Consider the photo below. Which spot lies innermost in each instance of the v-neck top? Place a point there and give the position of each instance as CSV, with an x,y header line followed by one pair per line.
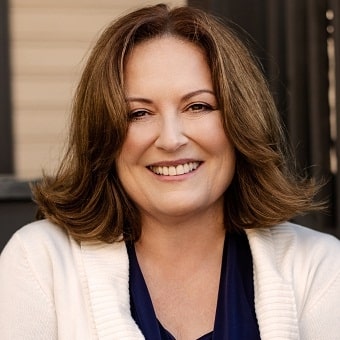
x,y
235,312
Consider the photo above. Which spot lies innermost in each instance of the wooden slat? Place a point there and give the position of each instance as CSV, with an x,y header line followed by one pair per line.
x,y
46,61
50,92
31,158
40,24
53,124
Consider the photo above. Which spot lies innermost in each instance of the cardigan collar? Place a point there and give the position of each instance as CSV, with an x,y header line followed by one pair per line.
x,y
106,269
106,283
275,302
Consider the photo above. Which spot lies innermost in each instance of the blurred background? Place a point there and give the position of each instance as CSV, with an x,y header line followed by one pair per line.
x,y
44,44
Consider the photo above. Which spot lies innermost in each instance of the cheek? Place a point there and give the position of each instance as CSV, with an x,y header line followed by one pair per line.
x,y
140,135
211,132
125,170
224,147
220,146
135,143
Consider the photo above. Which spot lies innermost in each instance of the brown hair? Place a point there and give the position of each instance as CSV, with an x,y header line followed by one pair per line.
x,y
85,196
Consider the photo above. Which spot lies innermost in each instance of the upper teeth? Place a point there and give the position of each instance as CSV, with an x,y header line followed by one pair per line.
x,y
180,169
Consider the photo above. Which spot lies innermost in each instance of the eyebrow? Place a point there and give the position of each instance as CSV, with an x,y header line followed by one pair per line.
x,y
196,93
185,97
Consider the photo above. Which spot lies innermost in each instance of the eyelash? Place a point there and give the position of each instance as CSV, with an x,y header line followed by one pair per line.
x,y
137,115
204,107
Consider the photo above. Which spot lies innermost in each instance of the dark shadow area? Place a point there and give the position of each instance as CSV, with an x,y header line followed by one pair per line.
x,y
16,207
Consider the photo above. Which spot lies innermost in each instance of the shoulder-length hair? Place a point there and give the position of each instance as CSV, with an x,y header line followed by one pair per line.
x,y
86,197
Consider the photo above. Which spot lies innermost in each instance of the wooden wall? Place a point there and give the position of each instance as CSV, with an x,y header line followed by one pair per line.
x,y
49,43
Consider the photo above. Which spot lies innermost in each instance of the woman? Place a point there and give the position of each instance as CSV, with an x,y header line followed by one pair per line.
x,y
166,219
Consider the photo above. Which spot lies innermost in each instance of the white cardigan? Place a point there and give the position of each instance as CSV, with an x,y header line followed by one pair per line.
x,y
51,287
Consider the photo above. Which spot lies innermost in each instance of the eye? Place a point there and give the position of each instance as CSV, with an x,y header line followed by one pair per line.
x,y
200,107
138,115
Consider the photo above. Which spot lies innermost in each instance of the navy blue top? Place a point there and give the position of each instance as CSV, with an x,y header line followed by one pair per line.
x,y
235,317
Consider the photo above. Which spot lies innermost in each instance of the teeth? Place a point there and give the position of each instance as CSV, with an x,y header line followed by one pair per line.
x,y
180,169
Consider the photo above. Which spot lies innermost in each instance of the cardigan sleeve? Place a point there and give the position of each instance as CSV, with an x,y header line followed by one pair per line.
x,y
26,310
320,315
297,282
322,319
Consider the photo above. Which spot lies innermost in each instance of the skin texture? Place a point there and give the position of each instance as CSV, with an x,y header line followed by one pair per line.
x,y
175,122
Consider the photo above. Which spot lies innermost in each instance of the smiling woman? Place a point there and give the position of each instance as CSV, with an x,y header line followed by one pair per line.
x,y
175,125
168,216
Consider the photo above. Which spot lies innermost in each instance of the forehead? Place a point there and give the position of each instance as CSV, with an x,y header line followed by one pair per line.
x,y
166,57
160,47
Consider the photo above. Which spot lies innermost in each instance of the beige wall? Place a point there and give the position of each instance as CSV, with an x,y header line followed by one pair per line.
x,y
49,42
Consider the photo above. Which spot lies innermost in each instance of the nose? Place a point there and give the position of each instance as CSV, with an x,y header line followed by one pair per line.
x,y
171,134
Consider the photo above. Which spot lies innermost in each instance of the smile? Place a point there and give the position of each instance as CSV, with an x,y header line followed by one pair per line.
x,y
177,170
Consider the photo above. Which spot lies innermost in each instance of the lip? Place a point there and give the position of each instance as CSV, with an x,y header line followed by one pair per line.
x,y
174,168
174,162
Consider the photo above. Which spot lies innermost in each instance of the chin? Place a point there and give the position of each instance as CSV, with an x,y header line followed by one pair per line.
x,y
182,211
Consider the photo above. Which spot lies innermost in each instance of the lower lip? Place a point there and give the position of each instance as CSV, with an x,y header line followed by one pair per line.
x,y
177,177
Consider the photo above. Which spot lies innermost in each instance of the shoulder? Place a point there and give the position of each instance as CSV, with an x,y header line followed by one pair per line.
x,y
39,250
291,247
42,229
306,260
36,239
46,252
289,237
44,240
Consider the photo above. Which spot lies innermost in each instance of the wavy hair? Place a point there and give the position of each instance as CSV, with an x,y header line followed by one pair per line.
x,y
85,196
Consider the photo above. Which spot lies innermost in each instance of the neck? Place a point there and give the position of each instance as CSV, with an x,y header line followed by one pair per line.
x,y
181,264
181,238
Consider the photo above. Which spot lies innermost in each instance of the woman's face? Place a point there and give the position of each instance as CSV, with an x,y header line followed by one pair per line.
x,y
176,159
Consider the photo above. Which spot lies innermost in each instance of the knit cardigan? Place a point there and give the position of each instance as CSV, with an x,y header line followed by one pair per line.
x,y
52,287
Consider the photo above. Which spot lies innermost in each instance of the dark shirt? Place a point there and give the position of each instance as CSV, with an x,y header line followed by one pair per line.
x,y
235,317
